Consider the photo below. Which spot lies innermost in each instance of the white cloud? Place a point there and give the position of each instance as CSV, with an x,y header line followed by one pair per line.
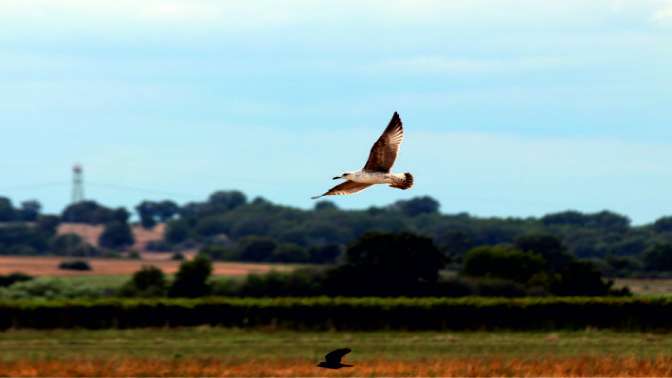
x,y
663,15
445,65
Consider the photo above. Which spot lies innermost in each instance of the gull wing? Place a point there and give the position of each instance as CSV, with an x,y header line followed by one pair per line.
x,y
347,187
384,151
335,357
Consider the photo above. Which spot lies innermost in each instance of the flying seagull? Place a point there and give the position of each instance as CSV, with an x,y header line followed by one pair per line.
x,y
377,168
333,359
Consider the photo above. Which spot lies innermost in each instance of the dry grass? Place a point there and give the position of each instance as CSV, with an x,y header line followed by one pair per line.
x,y
91,233
48,266
653,286
208,351
452,367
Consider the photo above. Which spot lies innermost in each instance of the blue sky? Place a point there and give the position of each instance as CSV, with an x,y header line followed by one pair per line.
x,y
511,108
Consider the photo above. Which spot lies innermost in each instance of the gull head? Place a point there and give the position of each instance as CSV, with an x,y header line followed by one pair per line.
x,y
345,176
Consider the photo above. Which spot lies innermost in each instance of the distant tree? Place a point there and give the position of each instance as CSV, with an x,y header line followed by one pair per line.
x,y
609,220
149,281
166,210
12,278
257,249
220,252
663,224
581,278
71,245
89,212
116,235
192,278
387,264
177,231
29,211
547,246
290,253
22,239
223,201
177,256
569,218
151,212
147,212
325,205
417,206
74,265
7,212
659,258
48,224
502,261
327,254
454,242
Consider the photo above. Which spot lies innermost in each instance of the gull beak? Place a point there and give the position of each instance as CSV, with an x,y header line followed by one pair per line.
x,y
337,177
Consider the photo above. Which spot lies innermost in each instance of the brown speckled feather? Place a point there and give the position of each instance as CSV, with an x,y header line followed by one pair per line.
x,y
384,151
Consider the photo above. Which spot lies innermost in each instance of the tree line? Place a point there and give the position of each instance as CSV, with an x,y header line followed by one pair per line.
x,y
229,226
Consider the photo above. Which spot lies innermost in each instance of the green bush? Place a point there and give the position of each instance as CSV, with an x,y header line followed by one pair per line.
x,y
74,265
12,278
149,281
192,279
55,288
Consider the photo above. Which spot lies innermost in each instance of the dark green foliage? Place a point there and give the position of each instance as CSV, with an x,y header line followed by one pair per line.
x,y
220,253
321,313
151,212
89,212
325,206
23,239
158,246
257,249
192,278
149,281
564,275
29,211
47,224
417,206
177,256
503,262
605,220
386,264
581,278
116,235
12,278
547,246
226,218
7,212
290,253
303,282
327,254
74,265
177,231
71,245
663,224
622,265
659,257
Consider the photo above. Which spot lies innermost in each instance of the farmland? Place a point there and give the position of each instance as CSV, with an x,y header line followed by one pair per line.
x,y
210,351
48,266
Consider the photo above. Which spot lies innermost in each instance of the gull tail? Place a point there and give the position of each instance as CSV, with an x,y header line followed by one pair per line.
x,y
404,182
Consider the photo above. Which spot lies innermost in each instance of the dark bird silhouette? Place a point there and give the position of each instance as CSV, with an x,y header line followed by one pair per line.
x,y
333,359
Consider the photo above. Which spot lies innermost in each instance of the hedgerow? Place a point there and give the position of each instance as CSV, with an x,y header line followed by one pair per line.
x,y
641,313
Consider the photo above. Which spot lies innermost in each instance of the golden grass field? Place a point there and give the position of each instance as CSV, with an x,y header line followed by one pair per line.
x,y
218,352
452,367
48,266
